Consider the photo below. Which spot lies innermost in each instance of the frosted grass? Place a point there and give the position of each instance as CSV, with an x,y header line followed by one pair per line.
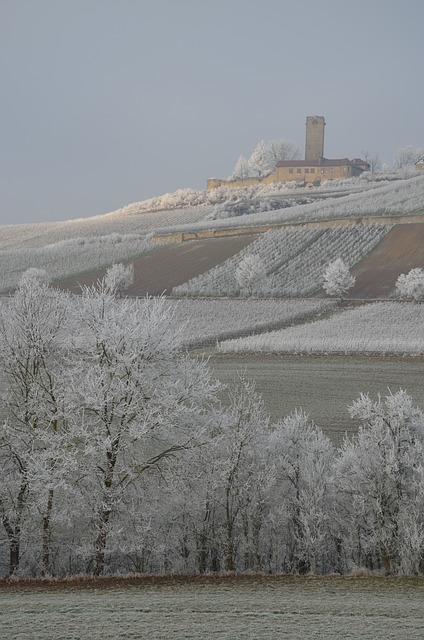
x,y
378,328
369,609
206,321
70,258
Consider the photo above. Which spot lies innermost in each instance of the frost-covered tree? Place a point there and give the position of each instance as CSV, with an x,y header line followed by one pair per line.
x,y
411,284
249,274
241,169
244,433
303,458
33,460
406,157
379,477
283,150
372,159
265,156
337,278
119,277
260,162
136,402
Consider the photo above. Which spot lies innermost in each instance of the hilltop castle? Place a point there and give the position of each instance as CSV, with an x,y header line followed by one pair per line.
x,y
311,171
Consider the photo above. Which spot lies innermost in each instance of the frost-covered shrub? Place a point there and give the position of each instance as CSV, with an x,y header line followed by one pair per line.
x,y
249,274
247,207
337,278
34,275
411,285
119,277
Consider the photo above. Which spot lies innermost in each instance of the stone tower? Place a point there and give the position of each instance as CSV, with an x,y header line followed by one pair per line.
x,y
314,147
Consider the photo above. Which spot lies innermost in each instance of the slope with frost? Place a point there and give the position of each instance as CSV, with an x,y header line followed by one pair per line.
x,y
381,327
188,210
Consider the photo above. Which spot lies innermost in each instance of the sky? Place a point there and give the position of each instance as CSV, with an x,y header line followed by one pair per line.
x,y
109,102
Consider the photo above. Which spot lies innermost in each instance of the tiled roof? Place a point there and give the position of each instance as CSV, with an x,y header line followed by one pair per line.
x,y
324,162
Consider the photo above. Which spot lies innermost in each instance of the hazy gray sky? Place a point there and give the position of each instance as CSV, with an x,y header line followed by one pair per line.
x,y
106,102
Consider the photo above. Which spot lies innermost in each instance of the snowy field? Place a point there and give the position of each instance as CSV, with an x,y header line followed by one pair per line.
x,y
293,608
200,322
70,257
378,328
206,321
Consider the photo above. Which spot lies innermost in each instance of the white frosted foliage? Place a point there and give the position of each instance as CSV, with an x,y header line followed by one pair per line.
x,y
411,284
337,278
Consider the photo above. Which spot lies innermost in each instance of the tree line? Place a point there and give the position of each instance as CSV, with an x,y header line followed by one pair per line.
x,y
119,452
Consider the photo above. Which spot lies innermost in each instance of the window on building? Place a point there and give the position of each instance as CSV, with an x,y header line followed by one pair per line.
x,y
298,170
331,169
312,170
291,170
322,170
306,170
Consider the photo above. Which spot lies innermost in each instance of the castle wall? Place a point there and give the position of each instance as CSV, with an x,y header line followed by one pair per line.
x,y
214,183
307,175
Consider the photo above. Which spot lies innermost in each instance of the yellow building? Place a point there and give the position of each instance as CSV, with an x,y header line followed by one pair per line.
x,y
313,173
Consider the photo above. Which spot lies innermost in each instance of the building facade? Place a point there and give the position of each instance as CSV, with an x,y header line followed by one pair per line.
x,y
313,173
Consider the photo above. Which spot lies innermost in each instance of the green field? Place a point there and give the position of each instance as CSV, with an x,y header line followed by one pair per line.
x,y
266,609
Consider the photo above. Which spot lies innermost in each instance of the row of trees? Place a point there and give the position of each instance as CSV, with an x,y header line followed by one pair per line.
x,y
120,453
251,273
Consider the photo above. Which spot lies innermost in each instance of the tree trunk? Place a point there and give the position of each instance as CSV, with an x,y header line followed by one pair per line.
x,y
229,562
46,534
100,543
14,555
13,531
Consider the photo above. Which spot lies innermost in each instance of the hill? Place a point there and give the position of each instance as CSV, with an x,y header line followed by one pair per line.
x,y
224,223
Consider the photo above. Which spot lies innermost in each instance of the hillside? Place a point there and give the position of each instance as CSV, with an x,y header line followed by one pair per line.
x,y
399,251
164,268
78,251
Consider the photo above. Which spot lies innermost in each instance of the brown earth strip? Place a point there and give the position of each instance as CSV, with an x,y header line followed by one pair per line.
x,y
401,250
164,580
164,268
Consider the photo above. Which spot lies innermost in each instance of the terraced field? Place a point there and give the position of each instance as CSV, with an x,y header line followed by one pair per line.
x,y
159,271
